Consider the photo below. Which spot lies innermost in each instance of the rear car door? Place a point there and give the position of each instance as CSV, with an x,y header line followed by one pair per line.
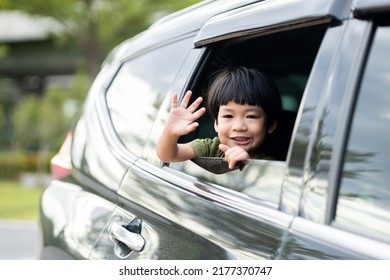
x,y
344,210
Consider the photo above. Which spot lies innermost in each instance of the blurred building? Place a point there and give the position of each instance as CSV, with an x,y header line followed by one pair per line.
x,y
31,58
30,52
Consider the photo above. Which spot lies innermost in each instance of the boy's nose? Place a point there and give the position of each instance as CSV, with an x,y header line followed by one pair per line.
x,y
239,125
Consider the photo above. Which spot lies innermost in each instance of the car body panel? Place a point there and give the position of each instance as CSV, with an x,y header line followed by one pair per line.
x,y
309,240
177,204
73,230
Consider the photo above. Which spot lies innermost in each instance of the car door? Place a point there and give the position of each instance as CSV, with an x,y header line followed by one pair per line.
x,y
181,211
344,210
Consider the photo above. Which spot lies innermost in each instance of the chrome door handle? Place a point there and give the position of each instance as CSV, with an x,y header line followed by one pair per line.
x,y
132,240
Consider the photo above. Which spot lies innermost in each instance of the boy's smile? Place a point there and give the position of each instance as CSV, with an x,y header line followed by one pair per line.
x,y
243,126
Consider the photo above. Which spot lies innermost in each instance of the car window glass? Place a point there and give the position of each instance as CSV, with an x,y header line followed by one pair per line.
x,y
364,198
290,69
138,90
259,178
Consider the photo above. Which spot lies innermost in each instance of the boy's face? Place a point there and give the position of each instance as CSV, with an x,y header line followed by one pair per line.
x,y
243,126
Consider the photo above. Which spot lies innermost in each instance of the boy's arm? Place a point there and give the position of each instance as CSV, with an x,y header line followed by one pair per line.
x,y
181,120
168,150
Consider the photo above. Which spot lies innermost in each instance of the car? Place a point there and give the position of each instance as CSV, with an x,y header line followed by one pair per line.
x,y
325,192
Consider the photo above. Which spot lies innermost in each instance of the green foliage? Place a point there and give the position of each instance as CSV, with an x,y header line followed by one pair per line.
x,y
40,123
2,120
37,121
24,207
24,119
39,127
3,50
14,163
96,26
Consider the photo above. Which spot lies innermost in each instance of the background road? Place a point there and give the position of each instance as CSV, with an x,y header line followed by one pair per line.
x,y
19,240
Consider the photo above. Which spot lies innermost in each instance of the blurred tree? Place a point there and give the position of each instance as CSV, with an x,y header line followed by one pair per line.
x,y
2,121
39,122
96,26
24,119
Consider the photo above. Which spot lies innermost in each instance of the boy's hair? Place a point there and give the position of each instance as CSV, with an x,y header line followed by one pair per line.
x,y
245,86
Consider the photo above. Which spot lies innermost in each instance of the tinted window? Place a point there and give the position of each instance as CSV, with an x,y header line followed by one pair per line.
x,y
138,90
364,198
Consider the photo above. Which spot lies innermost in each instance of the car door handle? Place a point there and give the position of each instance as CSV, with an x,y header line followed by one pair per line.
x,y
134,241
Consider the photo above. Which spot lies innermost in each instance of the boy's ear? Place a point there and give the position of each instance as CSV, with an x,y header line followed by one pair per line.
x,y
216,126
272,127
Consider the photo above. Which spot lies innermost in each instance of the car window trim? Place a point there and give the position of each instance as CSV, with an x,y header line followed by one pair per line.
x,y
110,137
268,16
342,133
119,149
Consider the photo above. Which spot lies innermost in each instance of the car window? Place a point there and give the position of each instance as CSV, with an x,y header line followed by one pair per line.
x,y
287,57
136,93
364,197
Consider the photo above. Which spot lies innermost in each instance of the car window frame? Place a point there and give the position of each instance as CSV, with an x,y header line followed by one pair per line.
x,y
208,51
302,186
182,81
373,27
266,17
112,138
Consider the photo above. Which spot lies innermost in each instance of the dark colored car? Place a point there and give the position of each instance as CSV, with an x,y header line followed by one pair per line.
x,y
325,194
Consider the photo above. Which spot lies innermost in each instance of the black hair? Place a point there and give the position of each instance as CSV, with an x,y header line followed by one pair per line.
x,y
245,86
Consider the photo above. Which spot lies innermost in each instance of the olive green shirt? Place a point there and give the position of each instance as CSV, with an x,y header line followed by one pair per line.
x,y
206,147
210,148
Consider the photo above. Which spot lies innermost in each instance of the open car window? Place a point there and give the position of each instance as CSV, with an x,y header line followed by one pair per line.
x,y
287,57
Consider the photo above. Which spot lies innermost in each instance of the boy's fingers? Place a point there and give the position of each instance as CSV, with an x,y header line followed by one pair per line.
x,y
174,100
223,147
195,104
192,127
199,113
186,99
233,155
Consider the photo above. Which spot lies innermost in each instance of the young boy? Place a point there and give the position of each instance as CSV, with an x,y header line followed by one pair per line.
x,y
245,105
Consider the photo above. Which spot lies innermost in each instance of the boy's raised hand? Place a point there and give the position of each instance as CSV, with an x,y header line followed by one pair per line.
x,y
182,119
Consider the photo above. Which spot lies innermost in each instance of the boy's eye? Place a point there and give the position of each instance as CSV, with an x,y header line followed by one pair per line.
x,y
227,116
252,116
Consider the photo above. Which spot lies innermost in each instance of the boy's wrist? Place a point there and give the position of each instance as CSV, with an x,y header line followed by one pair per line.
x,y
169,134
